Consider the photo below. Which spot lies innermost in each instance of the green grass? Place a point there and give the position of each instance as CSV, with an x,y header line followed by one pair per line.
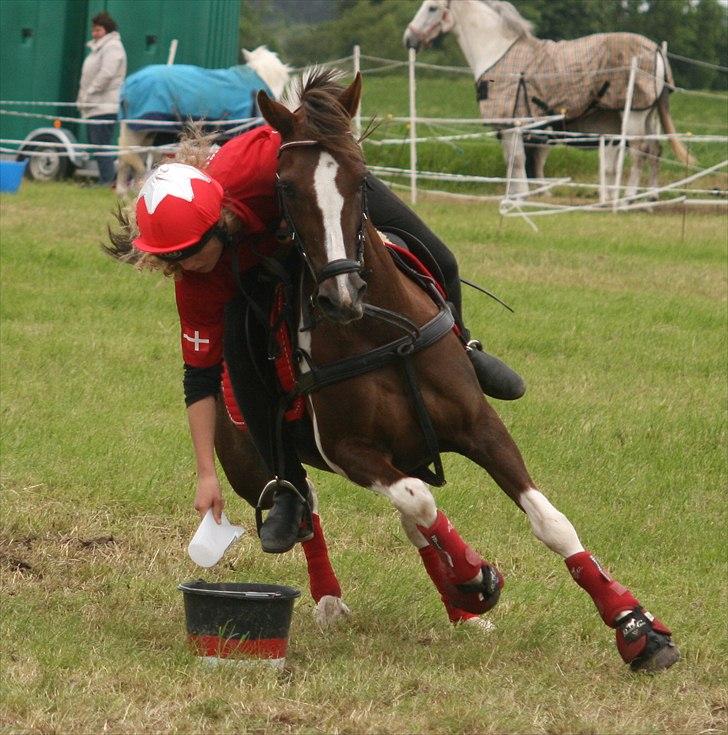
x,y
620,331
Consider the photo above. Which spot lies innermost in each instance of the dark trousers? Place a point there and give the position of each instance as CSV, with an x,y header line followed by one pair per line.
x,y
255,383
102,135
386,209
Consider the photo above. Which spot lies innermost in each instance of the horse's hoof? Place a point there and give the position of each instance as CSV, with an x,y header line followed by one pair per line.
x,y
330,610
660,654
483,624
644,642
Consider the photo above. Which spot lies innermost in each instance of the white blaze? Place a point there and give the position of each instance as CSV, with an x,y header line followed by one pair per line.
x,y
331,204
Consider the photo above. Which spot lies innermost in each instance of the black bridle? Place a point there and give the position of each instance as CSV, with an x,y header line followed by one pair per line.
x,y
340,265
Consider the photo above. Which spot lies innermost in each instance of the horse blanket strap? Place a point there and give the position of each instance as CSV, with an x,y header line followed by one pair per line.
x,y
572,77
323,376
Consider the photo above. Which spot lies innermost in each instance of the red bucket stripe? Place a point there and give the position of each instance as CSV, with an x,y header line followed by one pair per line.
x,y
214,645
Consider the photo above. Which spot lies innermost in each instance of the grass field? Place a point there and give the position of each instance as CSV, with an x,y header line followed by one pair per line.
x,y
620,331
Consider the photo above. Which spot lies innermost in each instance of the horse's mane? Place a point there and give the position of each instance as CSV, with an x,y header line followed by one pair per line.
x,y
325,120
266,64
512,19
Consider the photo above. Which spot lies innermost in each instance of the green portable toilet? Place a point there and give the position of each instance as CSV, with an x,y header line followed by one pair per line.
x,y
41,51
42,47
206,30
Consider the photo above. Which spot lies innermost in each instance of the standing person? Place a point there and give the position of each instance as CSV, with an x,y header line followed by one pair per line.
x,y
208,227
102,75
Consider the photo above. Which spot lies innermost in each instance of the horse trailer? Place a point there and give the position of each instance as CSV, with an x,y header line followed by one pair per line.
x,y
42,48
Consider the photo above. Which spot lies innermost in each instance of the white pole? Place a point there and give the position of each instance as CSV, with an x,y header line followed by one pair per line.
x,y
172,52
412,127
623,137
602,171
357,68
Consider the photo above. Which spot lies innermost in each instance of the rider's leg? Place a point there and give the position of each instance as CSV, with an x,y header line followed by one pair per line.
x,y
256,393
388,210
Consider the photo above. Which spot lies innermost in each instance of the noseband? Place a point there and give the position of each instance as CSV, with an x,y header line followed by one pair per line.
x,y
340,265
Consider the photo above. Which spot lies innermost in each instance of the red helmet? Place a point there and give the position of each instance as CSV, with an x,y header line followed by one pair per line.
x,y
177,205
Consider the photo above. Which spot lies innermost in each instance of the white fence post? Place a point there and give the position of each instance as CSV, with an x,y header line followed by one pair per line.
x,y
413,127
602,171
623,137
357,68
172,51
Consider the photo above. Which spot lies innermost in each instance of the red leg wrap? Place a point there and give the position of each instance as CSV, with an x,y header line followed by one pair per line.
x,y
321,576
439,576
610,597
462,562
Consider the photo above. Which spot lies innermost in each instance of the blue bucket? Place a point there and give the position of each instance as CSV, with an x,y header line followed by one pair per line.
x,y
11,174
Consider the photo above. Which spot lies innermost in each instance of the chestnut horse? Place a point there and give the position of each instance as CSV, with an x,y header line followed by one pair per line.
x,y
378,424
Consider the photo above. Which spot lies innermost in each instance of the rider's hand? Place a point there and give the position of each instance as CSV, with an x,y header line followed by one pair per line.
x,y
208,496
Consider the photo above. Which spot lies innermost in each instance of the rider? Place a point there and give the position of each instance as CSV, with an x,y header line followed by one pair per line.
x,y
209,228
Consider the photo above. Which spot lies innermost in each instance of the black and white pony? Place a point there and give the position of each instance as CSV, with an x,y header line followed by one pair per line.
x,y
497,40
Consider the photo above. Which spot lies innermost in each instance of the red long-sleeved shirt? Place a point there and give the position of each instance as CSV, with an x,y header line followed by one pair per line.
x,y
245,167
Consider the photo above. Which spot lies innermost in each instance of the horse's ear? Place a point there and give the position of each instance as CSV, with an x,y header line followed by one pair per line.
x,y
276,114
246,55
351,96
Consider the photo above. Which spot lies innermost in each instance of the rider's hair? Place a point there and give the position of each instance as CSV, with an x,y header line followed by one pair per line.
x,y
195,149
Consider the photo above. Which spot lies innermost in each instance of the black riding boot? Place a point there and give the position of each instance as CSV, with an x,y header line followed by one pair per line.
x,y
496,379
288,522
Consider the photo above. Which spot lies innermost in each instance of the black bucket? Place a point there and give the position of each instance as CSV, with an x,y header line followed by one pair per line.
x,y
238,621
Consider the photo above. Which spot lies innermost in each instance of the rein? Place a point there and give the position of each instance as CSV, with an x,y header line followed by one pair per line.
x,y
334,267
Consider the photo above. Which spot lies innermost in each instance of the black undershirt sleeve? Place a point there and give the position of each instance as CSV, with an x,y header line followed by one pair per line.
x,y
200,382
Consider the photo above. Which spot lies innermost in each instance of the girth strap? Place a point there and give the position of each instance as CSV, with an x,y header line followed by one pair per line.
x,y
351,367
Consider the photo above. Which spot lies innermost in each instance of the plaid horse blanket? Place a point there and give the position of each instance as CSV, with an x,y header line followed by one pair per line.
x,y
538,77
182,92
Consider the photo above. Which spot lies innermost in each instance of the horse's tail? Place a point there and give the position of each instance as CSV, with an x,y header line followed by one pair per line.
x,y
680,151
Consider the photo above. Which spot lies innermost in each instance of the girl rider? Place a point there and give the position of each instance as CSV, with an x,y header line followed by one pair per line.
x,y
208,227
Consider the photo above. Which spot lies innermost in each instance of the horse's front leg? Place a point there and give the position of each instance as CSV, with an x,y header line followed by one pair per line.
x,y
642,640
468,585
247,475
514,155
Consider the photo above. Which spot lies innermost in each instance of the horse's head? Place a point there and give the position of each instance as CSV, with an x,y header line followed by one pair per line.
x,y
431,20
321,176
269,68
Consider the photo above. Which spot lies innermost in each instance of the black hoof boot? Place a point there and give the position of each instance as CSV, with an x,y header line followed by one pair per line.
x,y
289,520
495,377
644,642
481,597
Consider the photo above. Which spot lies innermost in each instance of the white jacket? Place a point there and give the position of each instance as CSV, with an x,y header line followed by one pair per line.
x,y
102,75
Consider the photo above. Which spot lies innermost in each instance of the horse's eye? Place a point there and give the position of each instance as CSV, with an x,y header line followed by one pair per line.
x,y
287,189
432,8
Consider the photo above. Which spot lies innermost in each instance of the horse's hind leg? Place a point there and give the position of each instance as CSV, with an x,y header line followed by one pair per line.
x,y
247,475
467,584
643,641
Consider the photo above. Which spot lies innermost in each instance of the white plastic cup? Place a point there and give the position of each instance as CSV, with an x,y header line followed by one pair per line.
x,y
211,540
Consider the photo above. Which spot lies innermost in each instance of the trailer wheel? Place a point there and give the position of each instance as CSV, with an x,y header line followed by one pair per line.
x,y
50,166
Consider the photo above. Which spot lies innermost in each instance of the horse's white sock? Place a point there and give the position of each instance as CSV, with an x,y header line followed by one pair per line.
x,y
550,525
